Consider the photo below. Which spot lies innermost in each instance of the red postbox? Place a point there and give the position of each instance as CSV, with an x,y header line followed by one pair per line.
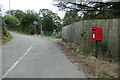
x,y
96,34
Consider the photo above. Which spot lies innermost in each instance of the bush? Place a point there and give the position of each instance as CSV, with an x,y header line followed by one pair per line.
x,y
11,22
105,48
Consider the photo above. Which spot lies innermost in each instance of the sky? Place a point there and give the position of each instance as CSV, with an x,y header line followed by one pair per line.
x,y
30,5
91,0
35,5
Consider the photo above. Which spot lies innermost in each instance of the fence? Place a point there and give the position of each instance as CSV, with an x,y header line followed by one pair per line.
x,y
78,35
52,33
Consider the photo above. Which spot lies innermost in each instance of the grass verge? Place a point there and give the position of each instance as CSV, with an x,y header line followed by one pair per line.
x,y
7,39
90,65
51,37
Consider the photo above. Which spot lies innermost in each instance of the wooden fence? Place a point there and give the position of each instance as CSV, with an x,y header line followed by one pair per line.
x,y
79,35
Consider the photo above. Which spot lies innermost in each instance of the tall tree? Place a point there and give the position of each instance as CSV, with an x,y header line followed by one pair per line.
x,y
12,22
92,9
17,13
70,17
27,21
50,21
25,18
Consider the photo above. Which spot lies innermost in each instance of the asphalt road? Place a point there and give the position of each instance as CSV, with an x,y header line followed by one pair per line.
x,y
31,57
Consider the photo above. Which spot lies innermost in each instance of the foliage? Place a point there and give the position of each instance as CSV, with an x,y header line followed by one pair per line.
x,y
50,21
82,34
105,47
76,11
17,13
50,37
70,17
11,21
4,31
6,37
27,22
92,10
46,19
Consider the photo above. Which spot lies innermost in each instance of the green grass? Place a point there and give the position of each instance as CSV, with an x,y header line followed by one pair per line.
x,y
51,37
7,39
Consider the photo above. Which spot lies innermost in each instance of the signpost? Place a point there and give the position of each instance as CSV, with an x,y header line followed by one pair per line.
x,y
35,22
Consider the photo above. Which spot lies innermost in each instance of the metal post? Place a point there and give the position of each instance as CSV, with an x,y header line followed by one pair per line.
x,y
96,55
41,30
35,29
9,5
97,49
9,8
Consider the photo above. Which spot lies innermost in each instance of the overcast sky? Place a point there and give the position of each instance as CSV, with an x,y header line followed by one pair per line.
x,y
30,5
35,5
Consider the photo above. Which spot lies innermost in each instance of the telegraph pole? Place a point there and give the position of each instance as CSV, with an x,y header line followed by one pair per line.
x,y
9,7
41,30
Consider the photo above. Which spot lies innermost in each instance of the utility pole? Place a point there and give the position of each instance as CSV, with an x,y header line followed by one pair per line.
x,y
35,24
35,29
41,30
9,7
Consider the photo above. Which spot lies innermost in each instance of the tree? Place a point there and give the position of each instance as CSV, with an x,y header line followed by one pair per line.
x,y
26,19
27,22
71,17
17,13
12,22
92,10
50,20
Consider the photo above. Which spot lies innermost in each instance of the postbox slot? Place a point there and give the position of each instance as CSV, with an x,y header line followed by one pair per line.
x,y
93,29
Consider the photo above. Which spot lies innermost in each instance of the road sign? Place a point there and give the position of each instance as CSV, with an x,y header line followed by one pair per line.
x,y
35,22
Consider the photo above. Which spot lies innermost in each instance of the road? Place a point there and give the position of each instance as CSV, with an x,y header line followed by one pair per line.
x,y
31,57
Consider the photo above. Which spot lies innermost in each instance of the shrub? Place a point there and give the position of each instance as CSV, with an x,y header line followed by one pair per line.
x,y
11,21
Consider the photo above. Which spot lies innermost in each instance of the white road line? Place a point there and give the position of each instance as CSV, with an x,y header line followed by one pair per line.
x,y
13,66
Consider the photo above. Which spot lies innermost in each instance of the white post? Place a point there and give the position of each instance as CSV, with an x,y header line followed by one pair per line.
x,y
9,7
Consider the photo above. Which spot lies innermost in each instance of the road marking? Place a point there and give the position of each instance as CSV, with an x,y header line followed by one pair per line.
x,y
13,66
